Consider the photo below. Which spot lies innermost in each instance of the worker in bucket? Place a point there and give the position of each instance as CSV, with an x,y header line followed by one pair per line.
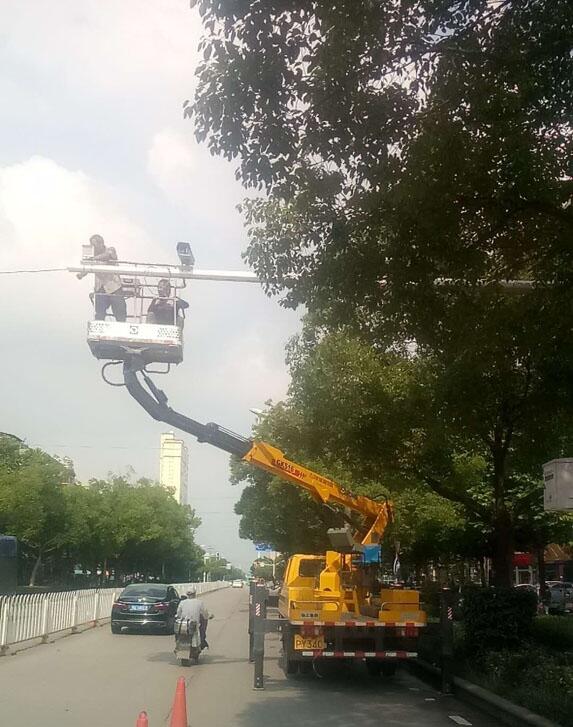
x,y
108,287
164,309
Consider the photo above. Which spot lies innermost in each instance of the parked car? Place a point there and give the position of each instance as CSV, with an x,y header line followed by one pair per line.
x,y
527,587
145,605
559,597
561,593
237,584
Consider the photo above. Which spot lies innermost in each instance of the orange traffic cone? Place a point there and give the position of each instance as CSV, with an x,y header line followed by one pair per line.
x,y
142,720
179,709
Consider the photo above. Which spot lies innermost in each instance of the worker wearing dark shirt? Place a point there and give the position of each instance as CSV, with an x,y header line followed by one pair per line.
x,y
165,310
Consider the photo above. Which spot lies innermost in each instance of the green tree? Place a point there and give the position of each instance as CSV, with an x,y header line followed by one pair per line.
x,y
219,569
408,143
32,504
152,533
109,525
370,421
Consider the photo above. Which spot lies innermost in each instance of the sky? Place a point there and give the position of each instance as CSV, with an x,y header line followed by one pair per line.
x,y
93,140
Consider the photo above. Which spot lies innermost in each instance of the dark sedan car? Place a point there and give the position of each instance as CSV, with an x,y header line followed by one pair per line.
x,y
145,605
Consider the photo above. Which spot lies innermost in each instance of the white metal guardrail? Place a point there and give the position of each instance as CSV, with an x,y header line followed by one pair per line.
x,y
37,615
200,588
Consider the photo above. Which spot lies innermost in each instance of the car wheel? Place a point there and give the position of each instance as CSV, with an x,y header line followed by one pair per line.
x,y
185,662
115,628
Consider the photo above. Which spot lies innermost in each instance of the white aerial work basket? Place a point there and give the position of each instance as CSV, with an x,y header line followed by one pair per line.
x,y
151,338
113,340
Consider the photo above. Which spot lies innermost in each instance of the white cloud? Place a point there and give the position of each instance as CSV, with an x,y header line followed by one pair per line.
x,y
93,91
251,371
173,163
104,44
188,175
46,213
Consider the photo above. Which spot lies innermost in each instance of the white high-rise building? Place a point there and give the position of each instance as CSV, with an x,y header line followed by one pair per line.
x,y
173,466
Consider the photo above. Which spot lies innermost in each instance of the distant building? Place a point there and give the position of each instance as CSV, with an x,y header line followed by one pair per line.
x,y
173,466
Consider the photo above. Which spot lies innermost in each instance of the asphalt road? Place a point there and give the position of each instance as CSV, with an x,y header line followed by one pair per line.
x,y
96,679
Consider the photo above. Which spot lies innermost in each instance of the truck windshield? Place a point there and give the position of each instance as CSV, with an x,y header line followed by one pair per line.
x,y
311,568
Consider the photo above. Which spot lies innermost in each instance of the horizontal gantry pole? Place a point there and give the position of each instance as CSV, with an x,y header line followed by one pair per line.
x,y
168,271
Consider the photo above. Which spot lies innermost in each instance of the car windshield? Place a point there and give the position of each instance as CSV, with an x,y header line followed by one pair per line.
x,y
144,591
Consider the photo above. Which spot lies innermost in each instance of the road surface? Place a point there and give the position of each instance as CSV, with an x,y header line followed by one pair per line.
x,y
96,679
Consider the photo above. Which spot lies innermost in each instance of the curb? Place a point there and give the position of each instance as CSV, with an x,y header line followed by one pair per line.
x,y
502,709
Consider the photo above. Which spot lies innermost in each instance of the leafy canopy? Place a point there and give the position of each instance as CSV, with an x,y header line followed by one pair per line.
x,y
398,145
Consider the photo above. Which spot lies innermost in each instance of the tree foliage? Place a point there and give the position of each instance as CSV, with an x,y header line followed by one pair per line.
x,y
219,569
108,525
32,504
370,422
405,144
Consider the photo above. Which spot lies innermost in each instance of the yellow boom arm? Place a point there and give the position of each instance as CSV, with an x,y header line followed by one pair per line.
x,y
263,455
376,514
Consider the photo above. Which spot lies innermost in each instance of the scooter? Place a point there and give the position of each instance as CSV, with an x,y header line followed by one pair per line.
x,y
187,642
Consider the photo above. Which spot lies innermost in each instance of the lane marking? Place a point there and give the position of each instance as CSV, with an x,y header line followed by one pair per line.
x,y
459,720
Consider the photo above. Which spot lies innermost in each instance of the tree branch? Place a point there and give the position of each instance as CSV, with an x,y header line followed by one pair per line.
x,y
462,498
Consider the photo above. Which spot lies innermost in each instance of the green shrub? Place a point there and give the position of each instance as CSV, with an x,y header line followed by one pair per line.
x,y
533,677
497,618
430,597
554,632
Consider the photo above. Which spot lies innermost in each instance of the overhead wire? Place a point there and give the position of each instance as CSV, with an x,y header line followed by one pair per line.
x,y
34,270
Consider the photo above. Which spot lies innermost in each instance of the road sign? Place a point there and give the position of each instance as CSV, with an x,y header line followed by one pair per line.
x,y
263,548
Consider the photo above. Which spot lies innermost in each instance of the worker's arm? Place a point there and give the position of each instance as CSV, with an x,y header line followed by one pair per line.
x,y
108,255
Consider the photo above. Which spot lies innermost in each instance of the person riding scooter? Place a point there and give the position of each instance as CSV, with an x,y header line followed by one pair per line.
x,y
192,610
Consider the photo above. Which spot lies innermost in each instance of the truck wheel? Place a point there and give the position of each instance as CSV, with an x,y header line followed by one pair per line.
x,y
389,668
373,668
291,667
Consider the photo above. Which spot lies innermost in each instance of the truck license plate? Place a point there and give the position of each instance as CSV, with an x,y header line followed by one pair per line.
x,y
309,643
